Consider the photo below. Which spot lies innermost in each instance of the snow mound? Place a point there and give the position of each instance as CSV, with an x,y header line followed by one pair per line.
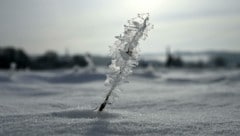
x,y
77,78
201,77
63,77
88,114
206,80
149,75
234,78
4,79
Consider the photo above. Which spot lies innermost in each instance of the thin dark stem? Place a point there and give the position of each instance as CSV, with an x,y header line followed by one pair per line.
x,y
103,105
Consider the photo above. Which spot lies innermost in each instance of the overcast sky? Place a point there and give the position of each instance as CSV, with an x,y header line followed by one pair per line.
x,y
90,25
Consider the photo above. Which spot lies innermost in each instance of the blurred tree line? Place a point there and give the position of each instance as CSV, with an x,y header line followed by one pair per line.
x,y
52,60
48,60
216,59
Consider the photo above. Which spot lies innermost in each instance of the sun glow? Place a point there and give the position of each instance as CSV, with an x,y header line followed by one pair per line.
x,y
143,5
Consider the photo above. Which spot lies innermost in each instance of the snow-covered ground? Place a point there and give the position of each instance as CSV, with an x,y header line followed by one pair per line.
x,y
166,102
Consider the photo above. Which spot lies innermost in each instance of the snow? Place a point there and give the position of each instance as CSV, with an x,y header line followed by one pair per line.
x,y
162,102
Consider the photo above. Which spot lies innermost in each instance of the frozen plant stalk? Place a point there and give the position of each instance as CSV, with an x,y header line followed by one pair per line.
x,y
125,53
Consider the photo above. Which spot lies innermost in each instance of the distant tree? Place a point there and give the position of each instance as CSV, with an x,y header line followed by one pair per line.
x,y
178,62
238,65
50,56
197,64
79,60
200,64
173,61
22,59
143,64
10,54
219,61
47,61
7,55
169,60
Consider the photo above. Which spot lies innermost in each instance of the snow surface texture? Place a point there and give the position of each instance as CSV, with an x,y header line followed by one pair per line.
x,y
163,102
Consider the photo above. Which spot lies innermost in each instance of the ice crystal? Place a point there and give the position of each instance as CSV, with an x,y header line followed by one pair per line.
x,y
125,53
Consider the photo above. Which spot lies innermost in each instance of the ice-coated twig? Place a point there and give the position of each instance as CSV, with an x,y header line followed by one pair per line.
x,y
125,54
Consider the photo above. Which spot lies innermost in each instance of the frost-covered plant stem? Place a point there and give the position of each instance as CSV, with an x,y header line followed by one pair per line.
x,y
124,54
106,99
109,93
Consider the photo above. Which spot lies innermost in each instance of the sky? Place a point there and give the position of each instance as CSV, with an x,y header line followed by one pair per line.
x,y
80,26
